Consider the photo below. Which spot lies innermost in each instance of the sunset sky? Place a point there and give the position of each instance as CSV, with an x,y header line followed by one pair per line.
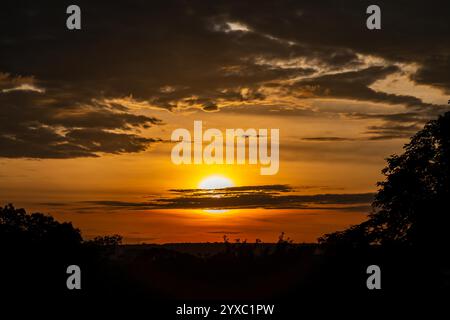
x,y
86,116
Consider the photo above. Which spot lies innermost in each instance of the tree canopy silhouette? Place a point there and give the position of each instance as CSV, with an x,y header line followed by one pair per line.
x,y
17,227
412,204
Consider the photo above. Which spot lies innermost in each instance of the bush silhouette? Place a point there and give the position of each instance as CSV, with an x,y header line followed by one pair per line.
x,y
106,241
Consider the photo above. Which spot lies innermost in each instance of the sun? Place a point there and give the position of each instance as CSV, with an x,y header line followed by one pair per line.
x,y
215,182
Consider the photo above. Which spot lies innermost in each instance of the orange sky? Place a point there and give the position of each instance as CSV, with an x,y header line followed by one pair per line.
x,y
86,119
59,187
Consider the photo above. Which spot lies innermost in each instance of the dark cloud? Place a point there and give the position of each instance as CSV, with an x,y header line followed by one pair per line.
x,y
392,131
271,111
394,117
172,53
411,30
143,54
268,197
229,190
210,106
32,127
434,72
396,125
355,85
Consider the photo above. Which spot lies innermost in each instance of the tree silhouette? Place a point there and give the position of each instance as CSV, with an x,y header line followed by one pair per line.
x,y
35,251
17,227
412,204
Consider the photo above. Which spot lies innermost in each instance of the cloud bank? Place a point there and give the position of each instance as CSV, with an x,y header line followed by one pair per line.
x,y
71,94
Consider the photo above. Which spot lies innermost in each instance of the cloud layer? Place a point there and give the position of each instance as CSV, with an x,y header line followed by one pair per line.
x,y
245,197
70,94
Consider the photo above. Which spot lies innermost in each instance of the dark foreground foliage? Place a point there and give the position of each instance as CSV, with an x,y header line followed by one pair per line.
x,y
36,251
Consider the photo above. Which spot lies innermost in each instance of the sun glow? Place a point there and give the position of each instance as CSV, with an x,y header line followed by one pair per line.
x,y
215,182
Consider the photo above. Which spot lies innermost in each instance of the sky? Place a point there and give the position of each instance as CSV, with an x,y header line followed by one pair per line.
x,y
86,116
